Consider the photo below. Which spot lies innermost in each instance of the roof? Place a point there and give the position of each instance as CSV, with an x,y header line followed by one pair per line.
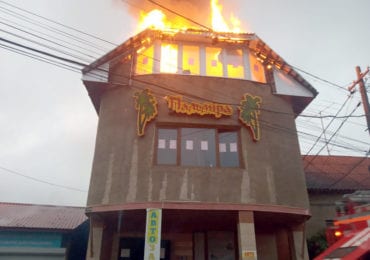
x,y
263,52
31,216
336,173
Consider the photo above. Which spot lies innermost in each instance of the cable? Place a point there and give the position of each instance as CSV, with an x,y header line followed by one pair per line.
x,y
55,22
50,36
321,79
53,42
350,171
40,58
340,126
180,15
326,128
50,28
186,94
41,181
44,53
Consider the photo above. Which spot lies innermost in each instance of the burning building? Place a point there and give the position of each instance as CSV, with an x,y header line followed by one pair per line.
x,y
197,154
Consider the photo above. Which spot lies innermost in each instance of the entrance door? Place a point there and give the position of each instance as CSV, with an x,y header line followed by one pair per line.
x,y
133,249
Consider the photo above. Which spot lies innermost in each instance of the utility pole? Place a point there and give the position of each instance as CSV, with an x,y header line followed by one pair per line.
x,y
365,100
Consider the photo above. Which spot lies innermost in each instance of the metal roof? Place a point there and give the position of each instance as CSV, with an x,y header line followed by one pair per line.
x,y
31,216
337,173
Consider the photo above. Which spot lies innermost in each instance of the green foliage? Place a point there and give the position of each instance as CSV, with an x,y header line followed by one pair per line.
x,y
317,244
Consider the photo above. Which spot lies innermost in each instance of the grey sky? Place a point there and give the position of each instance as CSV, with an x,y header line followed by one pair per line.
x,y
48,122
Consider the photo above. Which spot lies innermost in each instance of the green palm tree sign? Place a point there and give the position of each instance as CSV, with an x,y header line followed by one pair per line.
x,y
146,106
249,110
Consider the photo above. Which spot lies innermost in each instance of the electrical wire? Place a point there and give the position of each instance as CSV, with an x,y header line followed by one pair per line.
x,y
63,25
186,94
53,29
40,180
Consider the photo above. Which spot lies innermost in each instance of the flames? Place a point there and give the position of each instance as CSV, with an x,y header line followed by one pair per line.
x,y
156,19
218,22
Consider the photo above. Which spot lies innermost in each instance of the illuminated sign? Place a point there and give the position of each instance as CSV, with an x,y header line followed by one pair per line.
x,y
249,110
175,103
153,234
146,106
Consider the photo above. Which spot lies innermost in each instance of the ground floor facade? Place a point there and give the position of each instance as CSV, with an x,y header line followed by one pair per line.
x,y
199,232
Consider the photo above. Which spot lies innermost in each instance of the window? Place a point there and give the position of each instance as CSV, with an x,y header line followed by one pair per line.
x,y
190,60
169,55
145,60
214,66
204,147
234,62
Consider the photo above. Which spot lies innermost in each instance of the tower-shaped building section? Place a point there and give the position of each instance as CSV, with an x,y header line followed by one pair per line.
x,y
196,130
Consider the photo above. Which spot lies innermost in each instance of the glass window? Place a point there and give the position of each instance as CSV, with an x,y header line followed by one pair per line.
x,y
198,147
213,64
167,146
145,60
228,148
169,56
204,147
190,60
234,63
257,70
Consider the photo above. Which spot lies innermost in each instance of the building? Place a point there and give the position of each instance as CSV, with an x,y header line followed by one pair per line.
x,y
29,231
197,149
328,179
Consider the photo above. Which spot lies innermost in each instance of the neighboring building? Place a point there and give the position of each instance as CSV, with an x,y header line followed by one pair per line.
x,y
328,179
198,126
29,231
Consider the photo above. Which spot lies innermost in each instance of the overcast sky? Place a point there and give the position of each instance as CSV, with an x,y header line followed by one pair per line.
x,y
48,124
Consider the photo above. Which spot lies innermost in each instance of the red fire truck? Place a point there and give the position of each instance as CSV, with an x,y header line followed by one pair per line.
x,y
349,235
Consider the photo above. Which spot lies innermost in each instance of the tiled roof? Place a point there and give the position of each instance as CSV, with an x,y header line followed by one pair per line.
x,y
337,173
14,215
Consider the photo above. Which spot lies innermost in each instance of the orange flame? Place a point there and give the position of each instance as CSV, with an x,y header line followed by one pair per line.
x,y
157,19
154,19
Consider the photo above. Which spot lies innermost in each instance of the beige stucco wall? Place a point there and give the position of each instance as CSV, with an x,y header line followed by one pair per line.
x,y
123,168
322,208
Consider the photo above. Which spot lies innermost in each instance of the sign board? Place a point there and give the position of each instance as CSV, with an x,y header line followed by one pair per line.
x,y
249,255
153,234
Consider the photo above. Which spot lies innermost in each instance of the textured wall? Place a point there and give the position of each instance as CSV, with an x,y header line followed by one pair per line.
x,y
123,168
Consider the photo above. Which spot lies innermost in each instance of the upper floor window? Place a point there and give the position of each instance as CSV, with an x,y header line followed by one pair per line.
x,y
162,57
205,147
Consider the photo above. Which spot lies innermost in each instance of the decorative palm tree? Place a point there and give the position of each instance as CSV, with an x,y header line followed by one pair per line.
x,y
146,106
249,111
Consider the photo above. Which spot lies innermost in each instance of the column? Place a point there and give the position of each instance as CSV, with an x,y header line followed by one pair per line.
x,y
246,236
95,239
300,245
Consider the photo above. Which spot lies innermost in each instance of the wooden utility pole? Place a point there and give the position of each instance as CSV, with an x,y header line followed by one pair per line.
x,y
365,100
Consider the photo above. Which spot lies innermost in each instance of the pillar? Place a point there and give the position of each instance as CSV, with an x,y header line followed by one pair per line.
x,y
300,245
246,236
95,239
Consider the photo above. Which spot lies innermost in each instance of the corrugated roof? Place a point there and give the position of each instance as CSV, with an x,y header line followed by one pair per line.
x,y
14,215
337,173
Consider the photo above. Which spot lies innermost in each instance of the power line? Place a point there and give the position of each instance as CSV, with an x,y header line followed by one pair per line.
x,y
321,79
50,28
41,181
290,114
43,52
48,40
55,22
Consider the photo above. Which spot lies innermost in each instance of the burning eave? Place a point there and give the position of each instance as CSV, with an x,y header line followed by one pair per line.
x,y
251,41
